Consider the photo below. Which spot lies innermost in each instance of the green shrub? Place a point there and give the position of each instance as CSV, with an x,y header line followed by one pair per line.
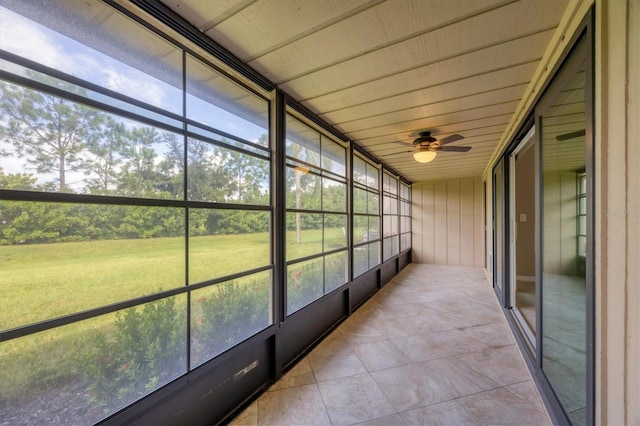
x,y
145,349
228,314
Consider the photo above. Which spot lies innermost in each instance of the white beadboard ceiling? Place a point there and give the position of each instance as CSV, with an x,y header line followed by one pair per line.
x,y
379,71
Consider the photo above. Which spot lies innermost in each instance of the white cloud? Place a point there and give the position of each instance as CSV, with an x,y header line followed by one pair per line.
x,y
139,86
28,39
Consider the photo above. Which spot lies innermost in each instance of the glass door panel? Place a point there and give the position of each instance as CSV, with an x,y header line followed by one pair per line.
x,y
564,232
522,219
498,226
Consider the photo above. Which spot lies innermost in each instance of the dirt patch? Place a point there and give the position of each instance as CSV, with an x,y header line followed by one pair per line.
x,y
65,406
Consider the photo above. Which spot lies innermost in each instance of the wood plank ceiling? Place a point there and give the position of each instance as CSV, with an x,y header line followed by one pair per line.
x,y
380,71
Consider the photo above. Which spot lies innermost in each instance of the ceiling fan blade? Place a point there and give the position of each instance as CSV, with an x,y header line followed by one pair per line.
x,y
396,153
570,135
450,138
454,148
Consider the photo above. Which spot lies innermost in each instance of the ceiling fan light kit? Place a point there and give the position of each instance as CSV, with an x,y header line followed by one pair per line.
x,y
426,147
424,156
301,170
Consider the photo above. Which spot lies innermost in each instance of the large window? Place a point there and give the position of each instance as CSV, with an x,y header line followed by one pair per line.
x,y
316,217
390,216
582,215
366,215
135,232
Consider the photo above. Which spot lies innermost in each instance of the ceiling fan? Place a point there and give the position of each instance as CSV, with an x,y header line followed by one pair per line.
x,y
426,146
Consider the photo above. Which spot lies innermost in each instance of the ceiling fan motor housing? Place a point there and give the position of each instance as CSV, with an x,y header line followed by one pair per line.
x,y
424,137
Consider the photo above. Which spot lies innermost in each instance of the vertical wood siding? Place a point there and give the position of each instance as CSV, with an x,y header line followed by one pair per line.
x,y
448,222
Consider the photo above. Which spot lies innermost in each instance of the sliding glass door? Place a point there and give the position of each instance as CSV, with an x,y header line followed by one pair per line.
x,y
544,240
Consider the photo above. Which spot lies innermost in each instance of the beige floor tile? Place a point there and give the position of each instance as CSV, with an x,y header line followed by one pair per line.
x,y
407,310
249,417
295,406
393,420
354,399
380,355
426,347
404,298
458,378
334,358
410,386
494,335
357,331
502,407
301,374
424,321
527,391
504,364
444,413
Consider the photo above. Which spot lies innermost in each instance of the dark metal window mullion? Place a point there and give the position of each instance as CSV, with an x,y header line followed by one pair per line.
x,y
185,189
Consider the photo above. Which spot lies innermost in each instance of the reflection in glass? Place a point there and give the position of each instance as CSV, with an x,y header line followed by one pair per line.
x,y
360,228
84,256
563,280
359,170
305,283
217,102
336,270
359,200
374,228
333,157
373,177
523,212
391,247
498,242
389,205
334,196
404,191
405,224
394,225
303,143
304,190
222,175
335,231
373,203
405,242
307,239
360,260
225,242
386,226
374,254
405,208
225,314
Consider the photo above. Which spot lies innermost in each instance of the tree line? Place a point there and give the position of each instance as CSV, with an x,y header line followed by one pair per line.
x,y
64,146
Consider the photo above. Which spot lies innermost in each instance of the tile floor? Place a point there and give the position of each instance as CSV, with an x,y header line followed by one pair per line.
x,y
430,348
